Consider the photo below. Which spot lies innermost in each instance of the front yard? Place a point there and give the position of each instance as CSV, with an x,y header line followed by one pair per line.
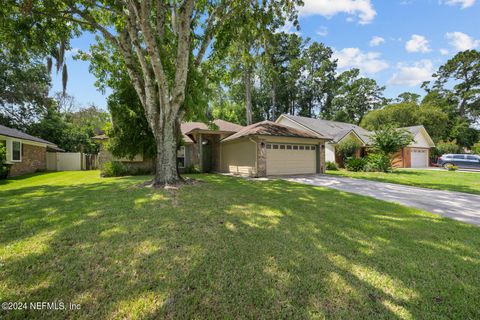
x,y
228,248
468,182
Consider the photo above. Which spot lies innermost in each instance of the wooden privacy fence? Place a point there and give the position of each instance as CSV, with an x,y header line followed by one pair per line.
x,y
71,161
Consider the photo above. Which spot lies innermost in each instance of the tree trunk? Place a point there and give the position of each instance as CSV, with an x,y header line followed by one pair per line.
x,y
166,163
274,103
248,96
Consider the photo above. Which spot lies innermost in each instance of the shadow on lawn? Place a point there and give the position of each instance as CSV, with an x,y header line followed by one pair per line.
x,y
233,248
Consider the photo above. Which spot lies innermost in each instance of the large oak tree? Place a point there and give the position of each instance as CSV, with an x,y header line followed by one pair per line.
x,y
158,42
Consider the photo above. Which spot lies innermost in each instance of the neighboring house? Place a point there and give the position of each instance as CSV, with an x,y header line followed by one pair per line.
x,y
25,153
262,149
416,155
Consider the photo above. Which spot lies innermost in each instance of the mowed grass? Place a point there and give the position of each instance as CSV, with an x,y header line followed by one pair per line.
x,y
228,248
468,182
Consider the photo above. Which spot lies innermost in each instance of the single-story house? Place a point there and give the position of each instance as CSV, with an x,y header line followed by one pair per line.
x,y
416,155
261,149
25,153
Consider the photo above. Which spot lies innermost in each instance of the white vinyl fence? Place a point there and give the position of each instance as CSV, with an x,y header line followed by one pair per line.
x,y
70,161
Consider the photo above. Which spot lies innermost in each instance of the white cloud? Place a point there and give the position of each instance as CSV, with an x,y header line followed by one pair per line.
x,y
376,41
368,62
464,3
363,9
412,74
288,28
444,52
323,31
417,43
461,41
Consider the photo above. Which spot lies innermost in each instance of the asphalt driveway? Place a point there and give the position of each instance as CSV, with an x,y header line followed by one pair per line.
x,y
456,205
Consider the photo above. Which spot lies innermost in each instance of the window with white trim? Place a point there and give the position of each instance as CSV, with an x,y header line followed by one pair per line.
x,y
16,151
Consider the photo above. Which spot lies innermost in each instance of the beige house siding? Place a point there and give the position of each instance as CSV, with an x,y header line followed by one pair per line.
x,y
239,157
420,141
330,152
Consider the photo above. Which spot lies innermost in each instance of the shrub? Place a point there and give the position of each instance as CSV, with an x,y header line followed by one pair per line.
x,y
445,147
347,148
452,167
377,162
3,162
113,169
330,165
191,169
355,165
390,140
476,148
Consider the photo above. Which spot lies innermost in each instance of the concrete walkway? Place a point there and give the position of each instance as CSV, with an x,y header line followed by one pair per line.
x,y
456,205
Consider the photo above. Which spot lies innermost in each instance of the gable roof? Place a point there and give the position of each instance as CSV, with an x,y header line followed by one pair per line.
x,y
414,130
223,126
14,133
334,129
269,128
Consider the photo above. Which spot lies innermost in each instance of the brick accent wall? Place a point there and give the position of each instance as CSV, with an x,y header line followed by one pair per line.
x,y
34,158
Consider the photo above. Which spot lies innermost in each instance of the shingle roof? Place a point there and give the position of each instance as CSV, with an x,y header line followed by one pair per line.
x,y
14,133
336,130
413,129
269,128
222,125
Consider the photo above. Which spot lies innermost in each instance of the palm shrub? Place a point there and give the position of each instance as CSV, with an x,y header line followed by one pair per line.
x,y
356,165
377,162
330,165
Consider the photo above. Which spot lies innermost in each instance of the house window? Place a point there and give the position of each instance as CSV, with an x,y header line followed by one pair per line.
x,y
181,157
16,151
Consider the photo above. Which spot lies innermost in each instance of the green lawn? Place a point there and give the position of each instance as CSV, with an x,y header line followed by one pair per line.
x,y
228,248
468,182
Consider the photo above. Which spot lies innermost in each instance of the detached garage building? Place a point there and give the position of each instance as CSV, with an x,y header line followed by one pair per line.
x,y
267,148
417,154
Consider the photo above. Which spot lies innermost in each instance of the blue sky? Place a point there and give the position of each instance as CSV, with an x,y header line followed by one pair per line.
x,y
399,43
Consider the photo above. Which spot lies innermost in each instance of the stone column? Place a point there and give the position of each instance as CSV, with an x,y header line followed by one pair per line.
x,y
261,158
321,157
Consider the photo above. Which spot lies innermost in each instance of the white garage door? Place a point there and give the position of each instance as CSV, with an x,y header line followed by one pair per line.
x,y
419,158
291,159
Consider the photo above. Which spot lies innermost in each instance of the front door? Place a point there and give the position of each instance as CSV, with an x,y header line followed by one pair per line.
x,y
206,156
